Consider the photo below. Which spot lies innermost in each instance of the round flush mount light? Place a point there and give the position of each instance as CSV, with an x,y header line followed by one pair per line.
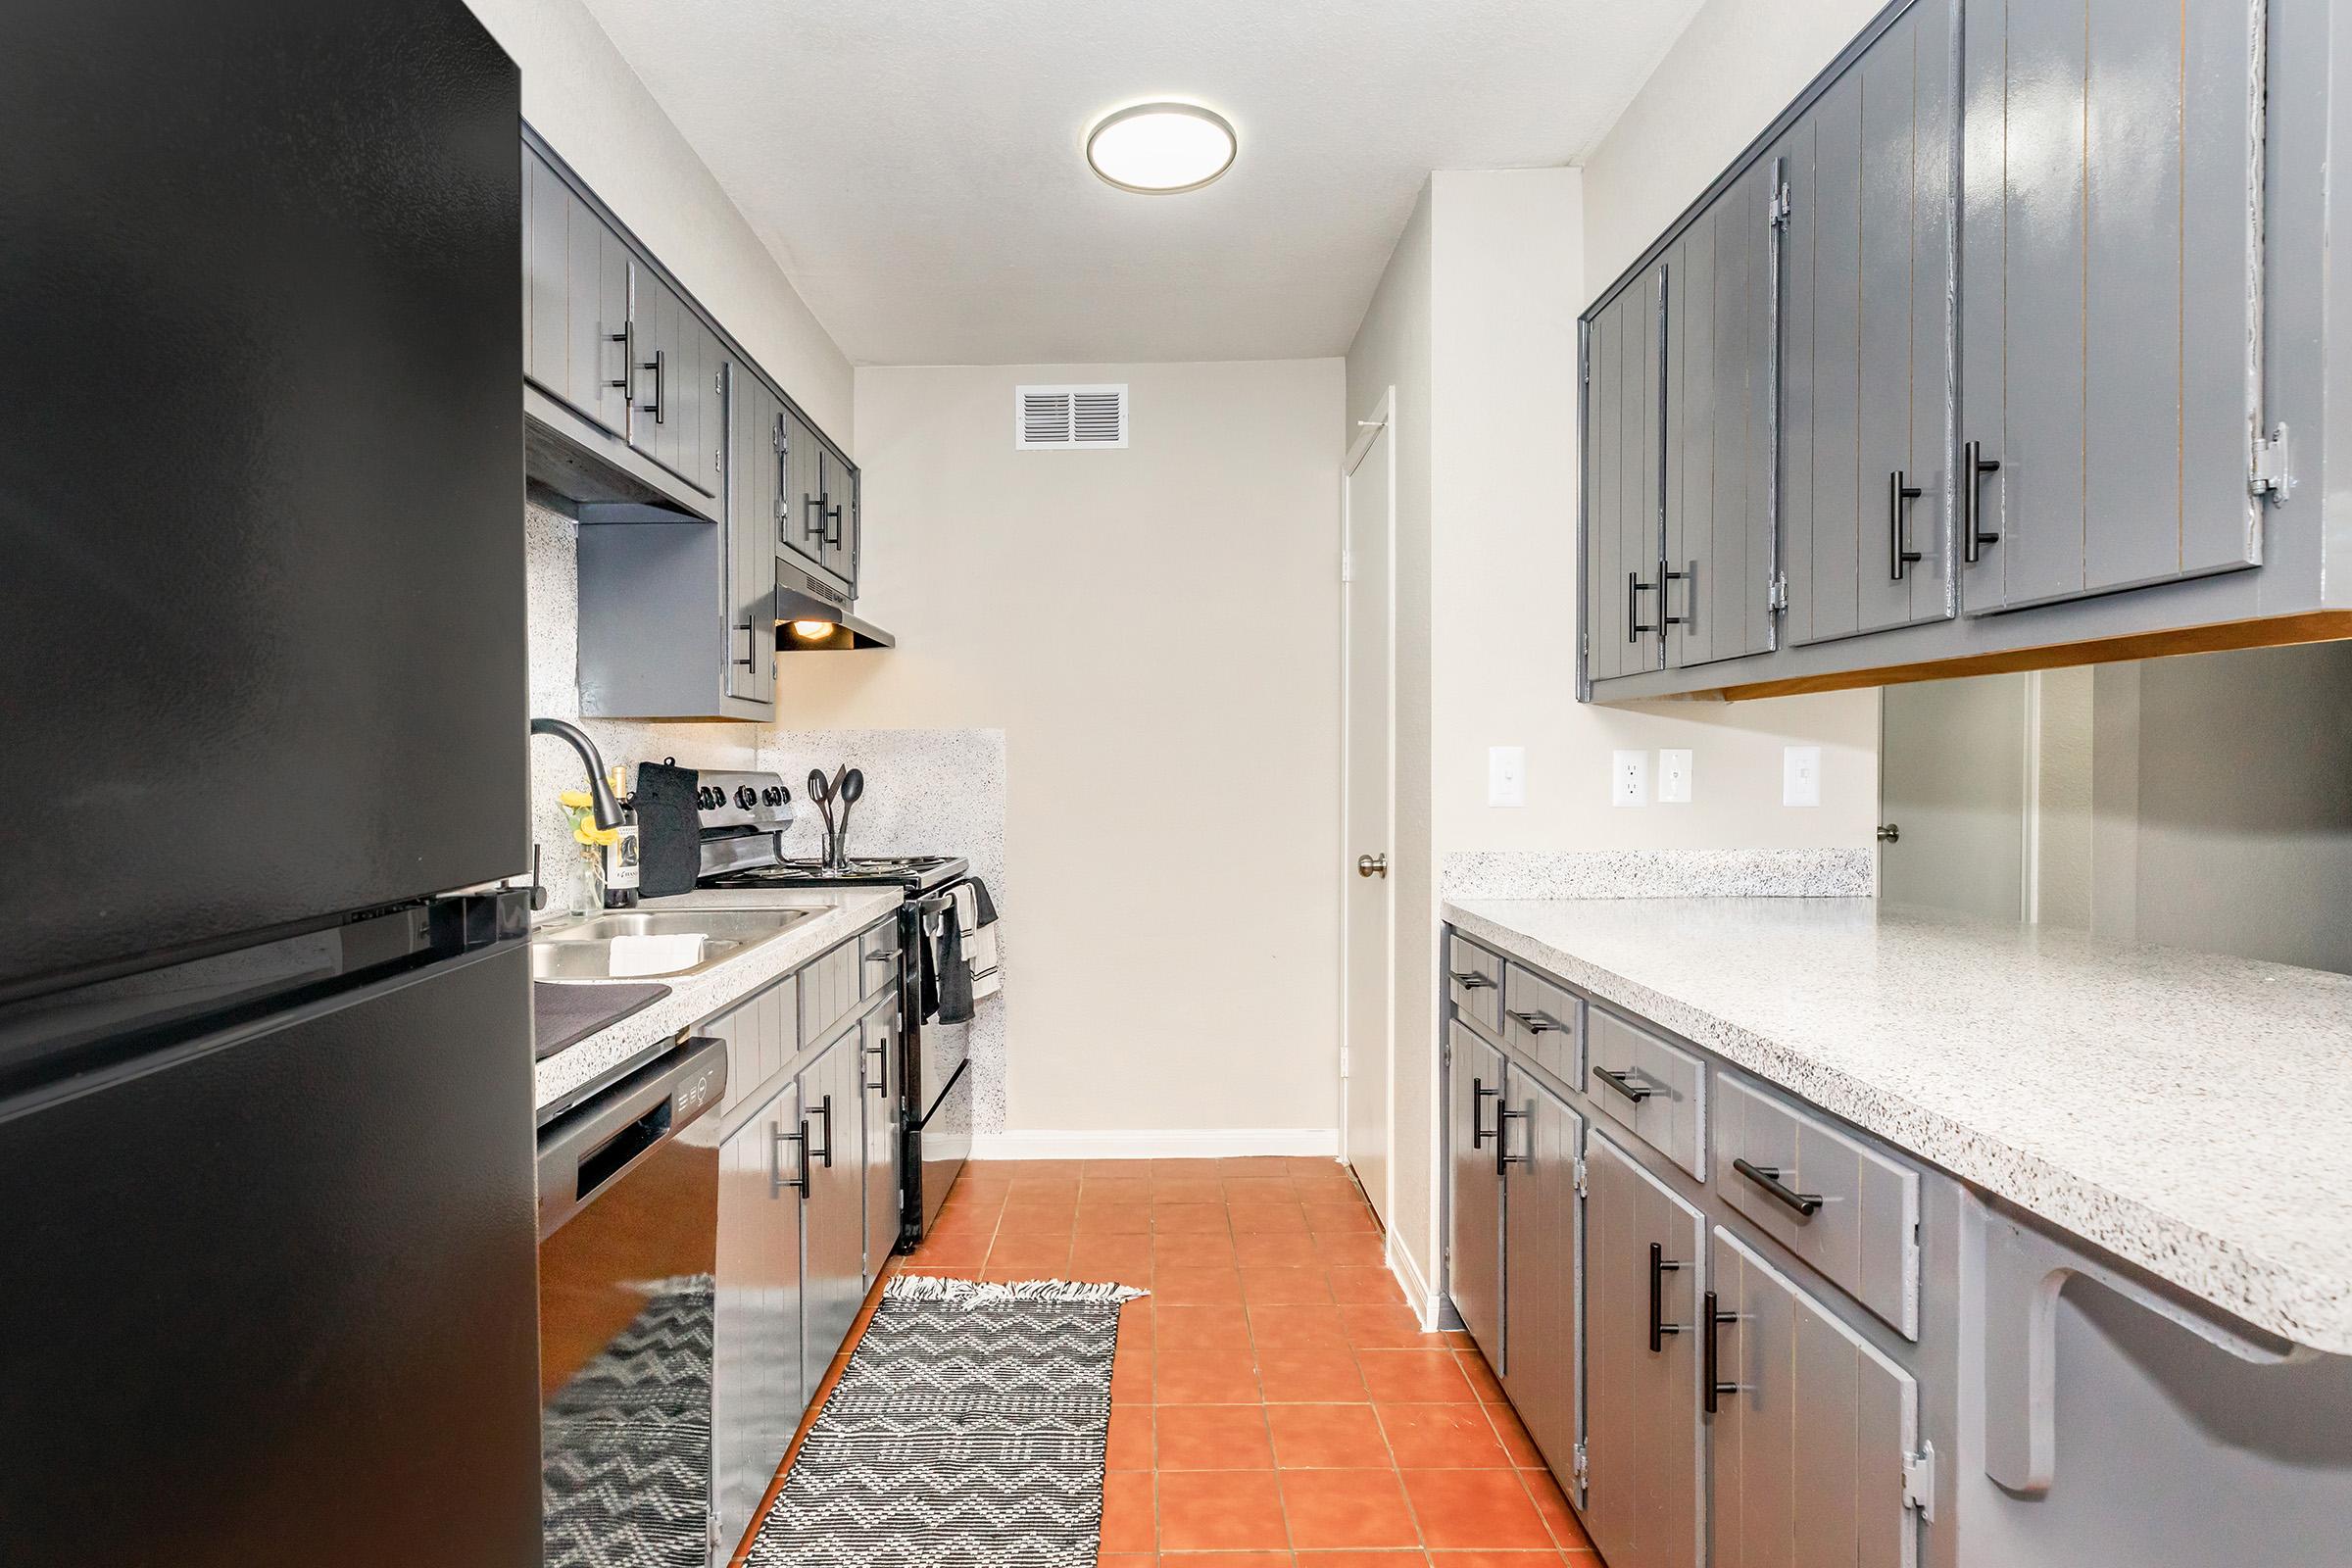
x,y
1161,149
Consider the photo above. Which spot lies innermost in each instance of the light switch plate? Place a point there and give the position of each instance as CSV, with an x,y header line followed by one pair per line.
x,y
1674,776
1629,779
1800,775
1506,776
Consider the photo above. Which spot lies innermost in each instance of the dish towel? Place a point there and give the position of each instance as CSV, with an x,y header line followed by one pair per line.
x,y
980,949
668,829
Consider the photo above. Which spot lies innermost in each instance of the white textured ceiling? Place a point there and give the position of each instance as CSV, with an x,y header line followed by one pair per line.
x,y
915,166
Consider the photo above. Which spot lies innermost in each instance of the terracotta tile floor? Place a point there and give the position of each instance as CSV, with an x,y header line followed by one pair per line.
x,y
1274,1404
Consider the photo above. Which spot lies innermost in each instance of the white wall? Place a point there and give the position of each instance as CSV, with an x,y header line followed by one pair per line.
x,y
1155,632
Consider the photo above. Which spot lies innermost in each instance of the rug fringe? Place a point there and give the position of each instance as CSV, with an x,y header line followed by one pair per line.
x,y
977,1293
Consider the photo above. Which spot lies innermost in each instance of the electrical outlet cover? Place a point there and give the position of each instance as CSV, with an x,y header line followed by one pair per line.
x,y
1629,779
1800,775
1506,776
1674,776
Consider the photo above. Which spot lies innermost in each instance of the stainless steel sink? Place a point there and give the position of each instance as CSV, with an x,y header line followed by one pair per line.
x,y
582,948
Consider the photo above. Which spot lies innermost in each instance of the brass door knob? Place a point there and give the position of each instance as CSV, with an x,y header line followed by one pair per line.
x,y
1372,865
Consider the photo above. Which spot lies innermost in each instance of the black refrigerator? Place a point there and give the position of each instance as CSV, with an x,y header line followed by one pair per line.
x,y
266,1235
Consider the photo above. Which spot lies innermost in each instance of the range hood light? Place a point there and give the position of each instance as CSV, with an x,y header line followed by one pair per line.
x,y
814,631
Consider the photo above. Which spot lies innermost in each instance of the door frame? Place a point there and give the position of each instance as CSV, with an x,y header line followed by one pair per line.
x,y
1368,430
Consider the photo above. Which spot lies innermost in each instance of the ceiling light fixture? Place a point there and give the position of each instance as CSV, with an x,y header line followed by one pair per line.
x,y
1161,149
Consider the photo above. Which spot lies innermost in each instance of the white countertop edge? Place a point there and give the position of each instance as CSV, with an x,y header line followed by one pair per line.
x,y
695,998
2271,1294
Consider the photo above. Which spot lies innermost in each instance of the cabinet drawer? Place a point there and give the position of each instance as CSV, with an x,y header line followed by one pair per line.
x,y
1474,982
878,960
1845,1208
1543,1022
828,991
1655,1091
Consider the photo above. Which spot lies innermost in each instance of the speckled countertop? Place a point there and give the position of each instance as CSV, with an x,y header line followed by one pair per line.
x,y
2189,1113
693,997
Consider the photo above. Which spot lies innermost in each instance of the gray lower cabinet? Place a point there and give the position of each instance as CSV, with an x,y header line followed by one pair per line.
x,y
758,1384
1644,1447
1474,1213
1811,1429
833,1224
2112,282
884,1138
1867,337
1544,1141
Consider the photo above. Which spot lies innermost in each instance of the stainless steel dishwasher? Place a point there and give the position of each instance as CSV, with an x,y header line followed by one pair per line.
x,y
628,1254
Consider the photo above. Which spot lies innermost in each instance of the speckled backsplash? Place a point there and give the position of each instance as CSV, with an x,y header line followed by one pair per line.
x,y
1660,873
927,792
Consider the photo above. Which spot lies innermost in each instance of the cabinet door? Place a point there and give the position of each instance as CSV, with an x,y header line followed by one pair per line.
x,y
1868,339
1719,458
841,553
1644,1255
751,554
1474,1185
1543,1224
801,519
546,276
833,1225
2113,145
1810,1435
1625,449
654,312
879,1082
756,1384
837,495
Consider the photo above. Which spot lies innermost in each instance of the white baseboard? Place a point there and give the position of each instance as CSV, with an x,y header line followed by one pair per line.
x,y
1418,1293
1162,1143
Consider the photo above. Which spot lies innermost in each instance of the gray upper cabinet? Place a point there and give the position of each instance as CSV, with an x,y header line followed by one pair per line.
x,y
1868,337
575,300
1644,1261
755,424
1544,1142
818,526
1811,1430
1474,1212
2111,282
1716,599
1624,480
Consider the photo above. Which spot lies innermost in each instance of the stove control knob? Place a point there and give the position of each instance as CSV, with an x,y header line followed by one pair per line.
x,y
773,795
705,797
744,796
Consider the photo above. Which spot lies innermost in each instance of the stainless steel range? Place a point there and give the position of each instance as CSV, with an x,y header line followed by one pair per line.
x,y
743,850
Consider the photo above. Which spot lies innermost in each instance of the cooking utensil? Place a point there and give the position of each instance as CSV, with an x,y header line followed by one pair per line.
x,y
853,789
822,794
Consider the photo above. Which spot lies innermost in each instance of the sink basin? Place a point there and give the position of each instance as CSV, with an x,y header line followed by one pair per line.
x,y
583,949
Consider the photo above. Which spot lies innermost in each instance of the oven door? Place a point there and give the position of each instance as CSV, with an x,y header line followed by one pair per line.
x,y
628,1204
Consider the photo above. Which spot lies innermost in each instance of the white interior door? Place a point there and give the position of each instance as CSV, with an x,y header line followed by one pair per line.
x,y
1368,622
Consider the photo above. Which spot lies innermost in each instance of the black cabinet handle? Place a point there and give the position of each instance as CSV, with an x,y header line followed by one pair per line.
x,y
750,643
882,1052
777,1180
1635,588
832,536
1769,1178
812,530
1623,1083
1534,1023
1480,1093
1974,466
1660,1265
660,365
1898,494
626,337
1503,1158
1470,980
1666,595
824,1112
1711,1386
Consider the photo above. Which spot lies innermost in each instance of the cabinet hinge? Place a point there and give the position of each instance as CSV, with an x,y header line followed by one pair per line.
x,y
1776,601
1919,1481
1780,206
1578,1471
1346,566
2271,475
1581,1189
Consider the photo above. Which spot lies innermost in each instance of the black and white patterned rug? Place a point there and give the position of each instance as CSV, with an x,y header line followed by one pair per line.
x,y
967,1431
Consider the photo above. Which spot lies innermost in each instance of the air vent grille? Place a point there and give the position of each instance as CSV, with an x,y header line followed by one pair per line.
x,y
1065,419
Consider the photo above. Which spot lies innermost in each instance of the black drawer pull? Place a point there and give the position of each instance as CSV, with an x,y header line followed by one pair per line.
x,y
824,1112
1660,1265
1769,1178
1711,1386
881,1055
777,1180
1534,1023
1898,556
1470,981
1503,1158
1623,1083
1480,1093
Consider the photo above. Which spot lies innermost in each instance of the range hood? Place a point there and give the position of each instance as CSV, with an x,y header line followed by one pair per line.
x,y
812,618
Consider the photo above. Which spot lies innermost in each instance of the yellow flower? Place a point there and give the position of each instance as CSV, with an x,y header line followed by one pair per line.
x,y
577,800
